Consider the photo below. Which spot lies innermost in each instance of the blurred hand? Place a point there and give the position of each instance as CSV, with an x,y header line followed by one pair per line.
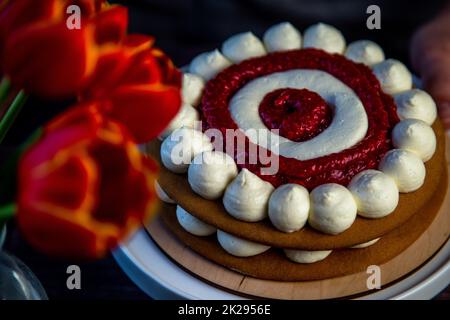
x,y
430,55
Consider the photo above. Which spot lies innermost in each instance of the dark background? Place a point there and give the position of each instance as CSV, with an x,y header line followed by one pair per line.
x,y
184,28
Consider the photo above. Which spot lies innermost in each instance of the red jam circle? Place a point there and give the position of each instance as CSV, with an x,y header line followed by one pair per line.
x,y
334,168
299,114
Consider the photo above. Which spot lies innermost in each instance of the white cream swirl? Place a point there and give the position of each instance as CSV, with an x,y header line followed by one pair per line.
x,y
193,225
302,256
247,196
405,167
192,88
281,37
325,37
181,146
210,173
208,64
333,209
289,207
393,75
186,117
243,46
162,195
365,244
376,193
365,51
416,104
239,247
415,136
348,126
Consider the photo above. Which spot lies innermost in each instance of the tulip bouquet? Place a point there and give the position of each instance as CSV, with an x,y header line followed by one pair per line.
x,y
82,184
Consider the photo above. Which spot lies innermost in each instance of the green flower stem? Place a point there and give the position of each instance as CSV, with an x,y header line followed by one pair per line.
x,y
7,212
4,89
11,114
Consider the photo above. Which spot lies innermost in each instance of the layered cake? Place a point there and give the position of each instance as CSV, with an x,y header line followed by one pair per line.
x,y
299,149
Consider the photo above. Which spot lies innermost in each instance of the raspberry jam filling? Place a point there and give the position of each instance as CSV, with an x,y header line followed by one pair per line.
x,y
299,114
338,167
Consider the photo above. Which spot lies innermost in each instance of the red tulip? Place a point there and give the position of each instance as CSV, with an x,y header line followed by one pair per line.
x,y
42,55
83,186
140,88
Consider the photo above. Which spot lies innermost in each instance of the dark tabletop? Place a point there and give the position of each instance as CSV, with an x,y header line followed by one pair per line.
x,y
184,28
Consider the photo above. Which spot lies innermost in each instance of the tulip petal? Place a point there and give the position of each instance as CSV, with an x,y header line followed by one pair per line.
x,y
145,110
57,237
84,186
50,61
111,25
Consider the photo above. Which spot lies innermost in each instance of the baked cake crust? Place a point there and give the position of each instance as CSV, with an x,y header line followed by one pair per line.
x,y
273,265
